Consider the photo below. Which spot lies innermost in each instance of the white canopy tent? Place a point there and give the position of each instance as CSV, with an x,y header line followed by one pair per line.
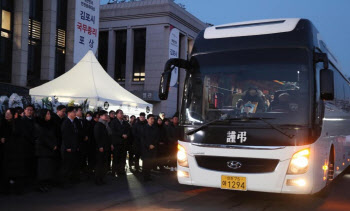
x,y
88,80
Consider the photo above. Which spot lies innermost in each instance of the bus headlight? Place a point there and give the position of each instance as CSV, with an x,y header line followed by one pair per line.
x,y
299,163
182,156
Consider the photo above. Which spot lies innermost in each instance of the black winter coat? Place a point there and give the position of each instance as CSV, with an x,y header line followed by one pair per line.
x,y
28,131
137,133
91,142
15,161
70,135
83,132
47,140
151,136
174,133
57,121
118,130
102,138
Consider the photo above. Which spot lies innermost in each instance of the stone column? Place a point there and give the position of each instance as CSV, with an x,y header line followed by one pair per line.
x,y
129,58
111,53
20,43
48,47
70,34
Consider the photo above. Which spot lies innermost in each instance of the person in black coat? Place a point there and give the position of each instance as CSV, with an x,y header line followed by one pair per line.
x,y
70,148
46,150
137,131
174,134
150,139
29,139
102,134
15,168
162,147
120,134
57,120
83,139
130,143
91,122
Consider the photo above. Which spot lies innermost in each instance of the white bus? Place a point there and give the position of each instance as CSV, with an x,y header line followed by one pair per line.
x,y
265,108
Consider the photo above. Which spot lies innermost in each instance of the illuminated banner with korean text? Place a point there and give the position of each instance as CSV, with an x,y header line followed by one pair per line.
x,y
87,14
174,52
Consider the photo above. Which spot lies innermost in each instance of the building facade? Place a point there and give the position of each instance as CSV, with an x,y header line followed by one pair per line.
x,y
134,46
36,42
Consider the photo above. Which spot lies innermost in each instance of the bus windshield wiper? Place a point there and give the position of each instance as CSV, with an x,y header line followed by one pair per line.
x,y
202,126
263,120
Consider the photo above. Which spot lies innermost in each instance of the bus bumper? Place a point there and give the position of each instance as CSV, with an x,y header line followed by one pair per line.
x,y
276,182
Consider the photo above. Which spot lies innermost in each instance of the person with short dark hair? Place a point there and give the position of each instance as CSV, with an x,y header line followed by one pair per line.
x,y
19,112
29,137
57,119
102,134
130,142
83,139
137,131
46,150
162,147
132,120
95,116
112,114
90,122
70,148
174,134
126,118
150,140
120,135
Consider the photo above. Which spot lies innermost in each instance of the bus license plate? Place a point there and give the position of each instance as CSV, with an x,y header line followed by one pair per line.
x,y
233,183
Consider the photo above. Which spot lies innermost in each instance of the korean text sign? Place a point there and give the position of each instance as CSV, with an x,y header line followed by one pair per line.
x,y
87,14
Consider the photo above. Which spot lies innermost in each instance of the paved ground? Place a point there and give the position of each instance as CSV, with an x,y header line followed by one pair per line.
x,y
164,193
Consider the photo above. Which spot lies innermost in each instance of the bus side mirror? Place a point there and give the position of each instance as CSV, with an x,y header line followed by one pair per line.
x,y
321,57
327,84
164,85
166,75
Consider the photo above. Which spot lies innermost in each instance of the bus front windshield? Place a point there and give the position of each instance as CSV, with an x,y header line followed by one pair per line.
x,y
268,83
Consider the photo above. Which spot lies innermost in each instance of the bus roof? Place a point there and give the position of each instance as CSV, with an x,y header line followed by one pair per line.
x,y
263,27
250,28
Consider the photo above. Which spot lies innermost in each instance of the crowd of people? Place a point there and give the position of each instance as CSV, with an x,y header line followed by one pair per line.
x,y
47,149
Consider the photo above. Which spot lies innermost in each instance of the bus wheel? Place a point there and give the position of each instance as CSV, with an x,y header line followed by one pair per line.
x,y
330,176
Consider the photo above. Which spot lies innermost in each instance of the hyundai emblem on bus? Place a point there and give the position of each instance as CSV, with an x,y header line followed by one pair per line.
x,y
234,164
233,137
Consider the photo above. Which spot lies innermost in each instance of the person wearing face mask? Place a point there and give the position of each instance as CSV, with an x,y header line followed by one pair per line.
x,y
90,122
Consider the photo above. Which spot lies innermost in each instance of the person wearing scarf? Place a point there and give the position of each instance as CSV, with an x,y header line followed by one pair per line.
x,y
102,133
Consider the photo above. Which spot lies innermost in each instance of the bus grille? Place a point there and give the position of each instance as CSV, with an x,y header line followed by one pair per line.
x,y
248,165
